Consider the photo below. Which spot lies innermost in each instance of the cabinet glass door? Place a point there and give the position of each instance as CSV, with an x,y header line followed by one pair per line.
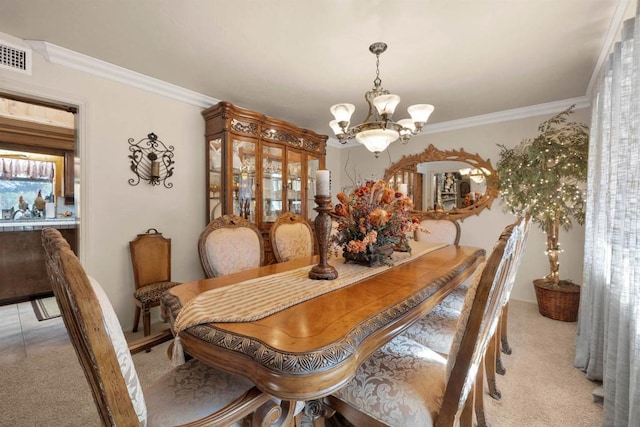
x,y
294,182
216,183
313,164
272,160
243,178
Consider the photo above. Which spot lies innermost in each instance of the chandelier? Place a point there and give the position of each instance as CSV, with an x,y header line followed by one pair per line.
x,y
378,130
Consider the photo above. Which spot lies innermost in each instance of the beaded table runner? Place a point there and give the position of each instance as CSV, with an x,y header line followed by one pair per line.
x,y
257,298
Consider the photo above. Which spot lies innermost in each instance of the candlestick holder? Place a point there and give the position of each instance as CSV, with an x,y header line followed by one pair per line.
x,y
322,223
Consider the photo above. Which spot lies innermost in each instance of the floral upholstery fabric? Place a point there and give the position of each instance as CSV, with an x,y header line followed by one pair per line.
x,y
436,330
153,292
230,250
293,241
440,231
402,384
455,300
191,391
121,348
439,329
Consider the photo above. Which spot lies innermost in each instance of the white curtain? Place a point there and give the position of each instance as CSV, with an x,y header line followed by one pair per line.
x,y
608,340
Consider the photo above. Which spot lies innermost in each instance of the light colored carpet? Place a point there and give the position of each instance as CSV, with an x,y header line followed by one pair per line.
x,y
541,387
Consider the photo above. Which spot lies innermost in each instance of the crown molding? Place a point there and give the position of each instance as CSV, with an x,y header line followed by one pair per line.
x,y
508,115
69,58
59,55
497,117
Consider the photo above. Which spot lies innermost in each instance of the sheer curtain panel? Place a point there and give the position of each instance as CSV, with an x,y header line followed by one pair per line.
x,y
608,339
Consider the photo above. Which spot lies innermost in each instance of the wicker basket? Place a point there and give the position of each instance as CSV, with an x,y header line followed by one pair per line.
x,y
558,303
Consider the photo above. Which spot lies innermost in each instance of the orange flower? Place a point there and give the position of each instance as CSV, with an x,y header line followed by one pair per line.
x,y
378,217
340,210
356,246
388,195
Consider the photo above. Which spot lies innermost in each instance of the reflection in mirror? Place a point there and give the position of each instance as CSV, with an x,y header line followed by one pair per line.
x,y
446,184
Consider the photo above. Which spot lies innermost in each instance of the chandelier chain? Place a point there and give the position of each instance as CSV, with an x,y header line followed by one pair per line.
x,y
377,82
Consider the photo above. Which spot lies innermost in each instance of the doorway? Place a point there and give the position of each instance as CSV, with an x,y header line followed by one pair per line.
x,y
39,183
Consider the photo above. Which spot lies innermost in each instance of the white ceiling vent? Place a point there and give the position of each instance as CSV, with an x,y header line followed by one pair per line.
x,y
14,57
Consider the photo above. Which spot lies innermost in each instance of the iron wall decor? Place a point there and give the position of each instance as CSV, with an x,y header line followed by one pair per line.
x,y
151,161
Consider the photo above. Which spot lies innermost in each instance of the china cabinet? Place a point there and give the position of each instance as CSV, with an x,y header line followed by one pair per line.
x,y
259,167
412,179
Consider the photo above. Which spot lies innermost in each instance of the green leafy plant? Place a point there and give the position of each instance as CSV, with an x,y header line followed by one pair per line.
x,y
545,177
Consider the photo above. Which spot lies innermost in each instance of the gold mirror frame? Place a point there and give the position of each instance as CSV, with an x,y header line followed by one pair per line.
x,y
432,154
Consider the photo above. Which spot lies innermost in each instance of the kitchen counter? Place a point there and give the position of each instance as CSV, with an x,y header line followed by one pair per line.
x,y
32,224
23,274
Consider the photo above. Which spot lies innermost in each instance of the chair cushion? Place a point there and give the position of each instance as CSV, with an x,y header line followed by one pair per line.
x,y
439,329
293,241
402,384
436,330
233,249
190,392
114,330
153,291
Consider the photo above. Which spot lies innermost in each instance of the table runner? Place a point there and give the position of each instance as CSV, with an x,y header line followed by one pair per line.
x,y
257,298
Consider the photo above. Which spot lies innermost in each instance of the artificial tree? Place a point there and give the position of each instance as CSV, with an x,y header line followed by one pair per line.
x,y
545,177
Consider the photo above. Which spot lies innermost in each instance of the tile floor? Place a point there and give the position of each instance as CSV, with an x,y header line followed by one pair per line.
x,y
22,335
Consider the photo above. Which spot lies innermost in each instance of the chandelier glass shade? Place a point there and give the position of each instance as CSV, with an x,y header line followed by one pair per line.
x,y
378,129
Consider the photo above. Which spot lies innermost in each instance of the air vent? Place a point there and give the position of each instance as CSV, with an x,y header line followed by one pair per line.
x,y
16,58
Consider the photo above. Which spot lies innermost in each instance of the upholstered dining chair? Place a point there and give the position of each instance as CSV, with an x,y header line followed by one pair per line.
x,y
151,262
291,237
230,244
191,393
429,389
438,231
437,329
443,231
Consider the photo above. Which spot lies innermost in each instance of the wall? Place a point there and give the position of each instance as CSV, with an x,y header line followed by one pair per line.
x,y
113,211
483,230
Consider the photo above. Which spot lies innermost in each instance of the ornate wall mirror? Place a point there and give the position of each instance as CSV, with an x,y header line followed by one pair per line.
x,y
445,184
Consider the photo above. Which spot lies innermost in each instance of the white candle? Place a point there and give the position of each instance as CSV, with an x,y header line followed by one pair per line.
x,y
403,189
323,183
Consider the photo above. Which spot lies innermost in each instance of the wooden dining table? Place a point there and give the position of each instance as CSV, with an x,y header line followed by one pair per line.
x,y
311,348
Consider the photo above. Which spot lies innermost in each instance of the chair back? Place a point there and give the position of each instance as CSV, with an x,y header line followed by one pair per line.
x,y
291,237
230,244
438,231
525,224
478,322
96,335
150,258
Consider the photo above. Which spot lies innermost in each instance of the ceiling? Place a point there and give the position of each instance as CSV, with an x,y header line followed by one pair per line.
x,y
294,59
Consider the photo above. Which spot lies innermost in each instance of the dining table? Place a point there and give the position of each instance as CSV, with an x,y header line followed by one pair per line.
x,y
300,339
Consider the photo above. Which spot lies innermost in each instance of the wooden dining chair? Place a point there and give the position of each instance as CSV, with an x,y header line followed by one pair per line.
x,y
230,244
406,383
151,262
191,393
291,237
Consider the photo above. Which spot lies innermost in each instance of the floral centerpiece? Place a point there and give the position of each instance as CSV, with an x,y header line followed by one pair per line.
x,y
373,220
